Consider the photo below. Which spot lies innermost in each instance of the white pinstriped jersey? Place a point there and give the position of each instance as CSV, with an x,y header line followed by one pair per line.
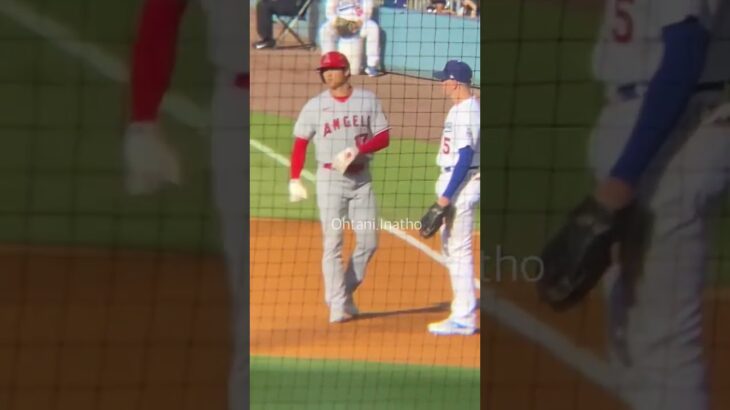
x,y
629,48
461,129
349,9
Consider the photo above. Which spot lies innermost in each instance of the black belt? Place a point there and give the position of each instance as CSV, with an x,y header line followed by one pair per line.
x,y
449,169
352,169
632,90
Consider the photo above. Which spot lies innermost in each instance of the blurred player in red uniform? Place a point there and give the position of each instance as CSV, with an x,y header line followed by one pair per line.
x,y
151,163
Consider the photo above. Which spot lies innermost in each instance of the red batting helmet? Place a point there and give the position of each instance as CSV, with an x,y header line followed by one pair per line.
x,y
333,59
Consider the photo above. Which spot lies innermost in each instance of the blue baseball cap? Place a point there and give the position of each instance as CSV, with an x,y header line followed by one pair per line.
x,y
454,70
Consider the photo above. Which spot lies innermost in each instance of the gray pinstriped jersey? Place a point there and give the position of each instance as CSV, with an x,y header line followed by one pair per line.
x,y
228,35
335,125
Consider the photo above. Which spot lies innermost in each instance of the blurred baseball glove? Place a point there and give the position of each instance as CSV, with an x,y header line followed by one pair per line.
x,y
345,27
575,259
432,220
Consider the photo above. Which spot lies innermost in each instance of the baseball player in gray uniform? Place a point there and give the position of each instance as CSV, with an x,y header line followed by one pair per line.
x,y
151,163
661,149
347,126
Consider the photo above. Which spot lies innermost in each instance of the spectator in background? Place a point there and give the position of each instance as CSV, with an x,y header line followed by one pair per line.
x,y
439,7
265,10
469,7
360,11
466,8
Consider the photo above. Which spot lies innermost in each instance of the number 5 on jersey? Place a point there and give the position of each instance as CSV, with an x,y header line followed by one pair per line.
x,y
446,145
623,28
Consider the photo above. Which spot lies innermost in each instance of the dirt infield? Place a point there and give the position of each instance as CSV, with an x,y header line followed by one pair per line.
x,y
84,328
403,291
516,365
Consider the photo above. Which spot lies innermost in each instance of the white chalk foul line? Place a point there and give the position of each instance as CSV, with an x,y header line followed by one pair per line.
x,y
187,112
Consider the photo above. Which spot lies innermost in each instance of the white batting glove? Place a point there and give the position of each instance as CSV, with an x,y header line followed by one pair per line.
x,y
297,191
149,161
344,158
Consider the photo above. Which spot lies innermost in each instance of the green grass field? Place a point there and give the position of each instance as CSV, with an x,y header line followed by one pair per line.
x,y
288,384
403,175
61,124
539,106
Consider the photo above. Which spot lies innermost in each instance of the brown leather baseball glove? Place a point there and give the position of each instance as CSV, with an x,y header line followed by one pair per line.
x,y
346,28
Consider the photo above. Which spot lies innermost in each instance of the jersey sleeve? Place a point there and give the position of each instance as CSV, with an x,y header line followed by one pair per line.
x,y
367,9
154,55
330,10
466,127
675,11
305,126
380,121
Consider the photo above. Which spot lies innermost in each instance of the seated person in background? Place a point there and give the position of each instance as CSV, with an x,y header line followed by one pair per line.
x,y
469,7
360,12
265,10
439,7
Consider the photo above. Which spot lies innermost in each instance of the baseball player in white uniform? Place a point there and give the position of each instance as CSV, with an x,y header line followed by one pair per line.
x,y
661,145
361,12
347,125
151,163
458,188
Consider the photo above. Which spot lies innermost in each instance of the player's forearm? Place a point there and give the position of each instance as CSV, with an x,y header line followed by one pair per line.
x,y
367,10
458,174
154,56
376,143
666,98
298,157
330,10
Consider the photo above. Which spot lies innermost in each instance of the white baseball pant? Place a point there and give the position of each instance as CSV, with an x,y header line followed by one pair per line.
x,y
457,246
654,296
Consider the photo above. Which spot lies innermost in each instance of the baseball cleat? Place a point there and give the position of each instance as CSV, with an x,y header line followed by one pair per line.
x,y
351,308
339,316
372,71
264,44
449,327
